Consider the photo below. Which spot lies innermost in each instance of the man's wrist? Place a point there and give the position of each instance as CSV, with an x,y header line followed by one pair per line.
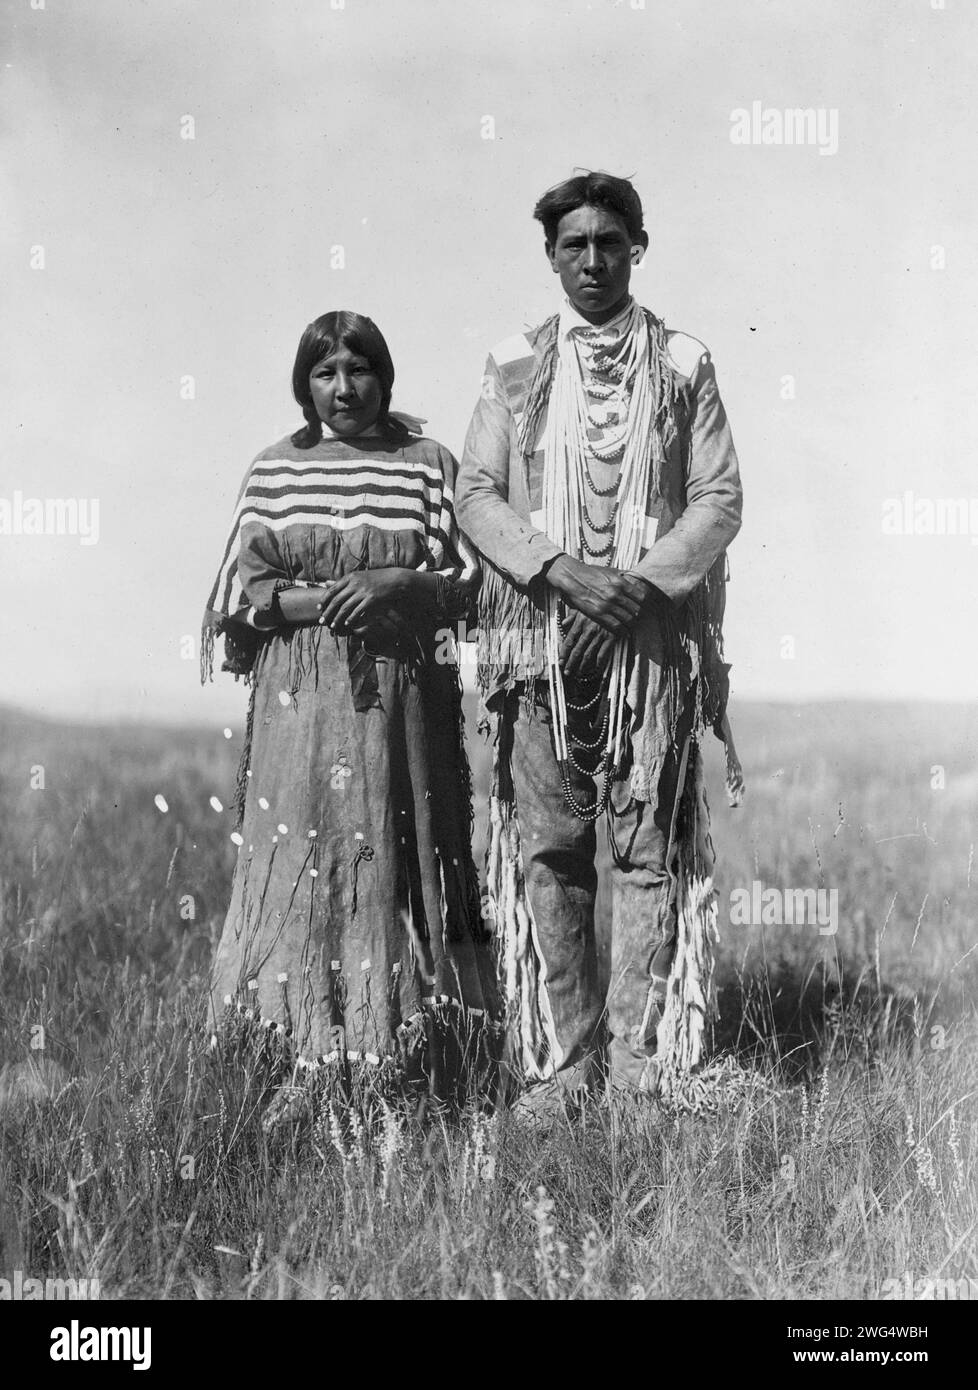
x,y
555,571
653,598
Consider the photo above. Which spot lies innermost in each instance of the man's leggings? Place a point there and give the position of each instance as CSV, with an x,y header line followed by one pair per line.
x,y
561,881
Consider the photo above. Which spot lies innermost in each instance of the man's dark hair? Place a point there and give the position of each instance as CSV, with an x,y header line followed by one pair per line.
x,y
593,190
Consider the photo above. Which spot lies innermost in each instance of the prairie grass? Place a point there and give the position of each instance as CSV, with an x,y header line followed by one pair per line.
x,y
132,1153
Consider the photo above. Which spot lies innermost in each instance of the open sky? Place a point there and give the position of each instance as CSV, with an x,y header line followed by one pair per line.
x,y
836,291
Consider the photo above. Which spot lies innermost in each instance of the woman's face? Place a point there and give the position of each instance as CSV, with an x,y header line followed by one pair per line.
x,y
346,391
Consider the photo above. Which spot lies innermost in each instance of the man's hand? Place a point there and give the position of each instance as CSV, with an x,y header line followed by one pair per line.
x,y
586,648
611,598
362,594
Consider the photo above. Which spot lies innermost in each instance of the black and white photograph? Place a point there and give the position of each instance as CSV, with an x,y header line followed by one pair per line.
x,y
488,726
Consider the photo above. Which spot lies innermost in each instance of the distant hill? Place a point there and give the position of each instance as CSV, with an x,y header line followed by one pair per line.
x,y
829,722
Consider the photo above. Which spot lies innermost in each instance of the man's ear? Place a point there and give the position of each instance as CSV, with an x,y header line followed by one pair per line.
x,y
551,256
639,248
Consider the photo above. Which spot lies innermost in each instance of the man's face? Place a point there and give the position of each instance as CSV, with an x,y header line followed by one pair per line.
x,y
593,256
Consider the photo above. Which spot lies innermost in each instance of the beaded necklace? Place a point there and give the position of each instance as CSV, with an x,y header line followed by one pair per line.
x,y
582,360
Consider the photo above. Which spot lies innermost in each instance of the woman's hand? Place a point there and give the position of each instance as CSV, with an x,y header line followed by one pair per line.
x,y
383,628
360,596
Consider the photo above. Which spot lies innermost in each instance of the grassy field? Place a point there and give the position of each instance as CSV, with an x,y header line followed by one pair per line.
x,y
132,1155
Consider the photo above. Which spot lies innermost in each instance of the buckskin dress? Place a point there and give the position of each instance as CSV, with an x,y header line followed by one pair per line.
x,y
354,932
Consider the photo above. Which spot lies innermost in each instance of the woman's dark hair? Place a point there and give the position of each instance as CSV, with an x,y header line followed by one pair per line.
x,y
592,190
321,338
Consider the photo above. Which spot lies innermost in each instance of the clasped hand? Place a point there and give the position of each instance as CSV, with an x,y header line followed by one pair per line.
x,y
610,597
364,602
586,649
356,600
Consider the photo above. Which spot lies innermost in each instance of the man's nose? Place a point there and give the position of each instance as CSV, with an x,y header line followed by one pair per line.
x,y
592,258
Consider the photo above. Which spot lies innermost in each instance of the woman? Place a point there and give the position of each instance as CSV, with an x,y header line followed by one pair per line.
x,y
354,934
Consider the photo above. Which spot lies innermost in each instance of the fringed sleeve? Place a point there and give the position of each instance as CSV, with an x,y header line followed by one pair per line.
x,y
250,574
261,570
452,555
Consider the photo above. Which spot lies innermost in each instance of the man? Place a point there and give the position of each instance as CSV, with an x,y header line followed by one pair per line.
x,y
600,483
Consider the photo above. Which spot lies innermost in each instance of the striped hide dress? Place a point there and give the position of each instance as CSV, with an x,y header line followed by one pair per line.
x,y
353,939
348,486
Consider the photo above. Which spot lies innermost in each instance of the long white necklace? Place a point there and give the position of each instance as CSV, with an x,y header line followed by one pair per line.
x,y
565,478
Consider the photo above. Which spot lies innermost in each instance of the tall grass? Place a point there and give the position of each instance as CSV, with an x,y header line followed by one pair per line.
x,y
132,1152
